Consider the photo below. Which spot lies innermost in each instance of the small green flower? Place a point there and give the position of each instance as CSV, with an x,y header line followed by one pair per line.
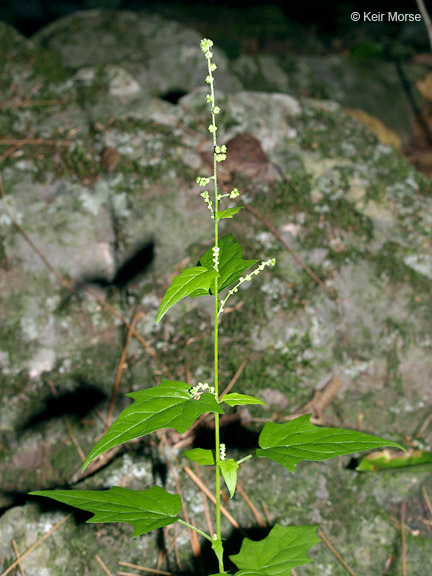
x,y
203,180
206,44
222,451
246,278
199,389
216,251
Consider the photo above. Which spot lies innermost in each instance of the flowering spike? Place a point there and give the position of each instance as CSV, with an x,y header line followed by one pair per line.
x,y
222,451
247,278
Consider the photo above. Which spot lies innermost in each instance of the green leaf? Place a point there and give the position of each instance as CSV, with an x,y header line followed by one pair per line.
x,y
203,457
235,399
298,440
229,212
231,263
282,550
229,472
390,460
145,510
218,550
188,282
168,405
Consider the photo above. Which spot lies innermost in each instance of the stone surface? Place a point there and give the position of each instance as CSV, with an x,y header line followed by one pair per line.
x,y
372,85
353,209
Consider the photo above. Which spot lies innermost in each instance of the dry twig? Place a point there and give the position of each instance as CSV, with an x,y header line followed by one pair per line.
x,y
145,569
9,152
235,377
34,142
35,544
424,426
403,512
266,513
251,505
68,426
130,574
136,316
335,552
195,545
295,257
205,505
103,565
427,499
21,569
210,496
321,399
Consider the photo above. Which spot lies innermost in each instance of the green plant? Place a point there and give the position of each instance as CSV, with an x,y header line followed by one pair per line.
x,y
219,273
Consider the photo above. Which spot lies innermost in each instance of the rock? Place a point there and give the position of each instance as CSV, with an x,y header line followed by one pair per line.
x,y
370,85
161,55
384,134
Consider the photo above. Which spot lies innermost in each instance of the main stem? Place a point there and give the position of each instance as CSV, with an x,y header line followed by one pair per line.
x,y
216,331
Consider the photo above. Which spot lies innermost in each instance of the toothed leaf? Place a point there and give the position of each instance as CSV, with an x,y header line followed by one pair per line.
x,y
190,282
231,263
168,405
235,399
145,510
203,457
229,212
282,550
298,440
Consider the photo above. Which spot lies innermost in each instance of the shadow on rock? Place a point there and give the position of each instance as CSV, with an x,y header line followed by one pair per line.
x,y
131,269
77,403
234,434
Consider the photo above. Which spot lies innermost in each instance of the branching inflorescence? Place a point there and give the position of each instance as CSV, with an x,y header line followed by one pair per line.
x,y
171,404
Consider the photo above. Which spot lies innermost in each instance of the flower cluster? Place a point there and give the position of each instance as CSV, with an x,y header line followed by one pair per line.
x,y
222,451
203,180
199,389
260,268
233,194
220,152
205,196
206,44
216,251
247,278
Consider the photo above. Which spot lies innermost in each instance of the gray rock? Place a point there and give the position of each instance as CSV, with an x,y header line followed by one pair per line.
x,y
371,85
161,55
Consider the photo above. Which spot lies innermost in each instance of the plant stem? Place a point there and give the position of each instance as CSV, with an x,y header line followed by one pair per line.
x,y
244,459
216,324
206,536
